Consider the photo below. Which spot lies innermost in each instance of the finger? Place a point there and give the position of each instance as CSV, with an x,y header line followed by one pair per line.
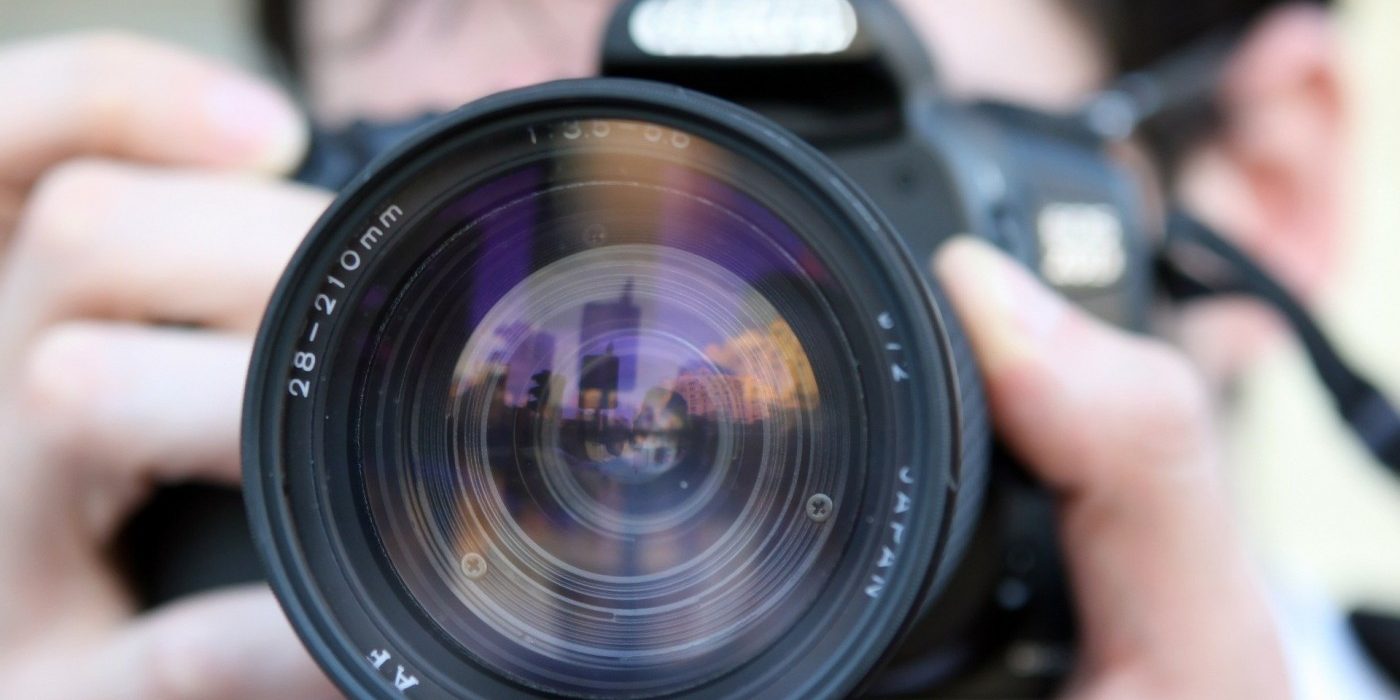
x,y
121,96
1120,427
152,244
131,404
231,645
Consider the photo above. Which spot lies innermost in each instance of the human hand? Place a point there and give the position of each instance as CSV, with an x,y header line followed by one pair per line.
x,y
1119,428
139,241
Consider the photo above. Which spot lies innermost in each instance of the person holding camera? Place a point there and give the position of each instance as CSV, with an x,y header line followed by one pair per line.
x,y
145,218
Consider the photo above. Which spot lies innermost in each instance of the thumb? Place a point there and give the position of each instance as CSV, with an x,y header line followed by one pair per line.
x,y
1119,427
232,644
1079,400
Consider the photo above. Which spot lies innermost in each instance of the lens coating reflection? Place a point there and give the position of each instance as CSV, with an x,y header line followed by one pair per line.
x,y
596,412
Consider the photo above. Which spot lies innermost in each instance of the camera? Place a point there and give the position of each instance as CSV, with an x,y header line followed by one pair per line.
x,y
640,386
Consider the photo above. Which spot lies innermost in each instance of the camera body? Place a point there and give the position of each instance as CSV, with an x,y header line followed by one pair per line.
x,y
1041,187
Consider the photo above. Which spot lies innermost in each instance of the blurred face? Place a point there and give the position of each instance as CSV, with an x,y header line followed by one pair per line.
x,y
383,60
1271,178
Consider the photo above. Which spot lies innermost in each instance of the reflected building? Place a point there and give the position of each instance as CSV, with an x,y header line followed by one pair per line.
x,y
494,381
614,324
598,381
773,364
530,351
720,396
546,392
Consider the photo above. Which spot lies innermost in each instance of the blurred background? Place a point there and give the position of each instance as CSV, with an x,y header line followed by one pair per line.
x,y
1323,517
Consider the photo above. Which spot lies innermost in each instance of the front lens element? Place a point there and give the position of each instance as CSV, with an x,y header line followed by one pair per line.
x,y
609,425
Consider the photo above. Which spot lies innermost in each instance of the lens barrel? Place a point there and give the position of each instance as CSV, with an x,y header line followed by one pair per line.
x,y
605,388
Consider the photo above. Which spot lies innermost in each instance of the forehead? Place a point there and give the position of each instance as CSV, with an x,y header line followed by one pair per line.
x,y
1031,51
1035,51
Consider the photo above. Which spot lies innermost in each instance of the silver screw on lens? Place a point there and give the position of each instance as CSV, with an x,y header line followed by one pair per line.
x,y
819,507
474,565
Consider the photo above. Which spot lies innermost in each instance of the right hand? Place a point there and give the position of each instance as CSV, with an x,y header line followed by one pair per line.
x,y
140,237
1119,428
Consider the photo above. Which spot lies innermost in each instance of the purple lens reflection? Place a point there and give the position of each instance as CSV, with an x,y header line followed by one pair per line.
x,y
604,399
650,371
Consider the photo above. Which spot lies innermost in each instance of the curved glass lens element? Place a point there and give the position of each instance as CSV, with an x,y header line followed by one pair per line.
x,y
609,421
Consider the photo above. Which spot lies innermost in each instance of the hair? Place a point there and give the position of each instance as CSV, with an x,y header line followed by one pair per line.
x,y
1138,33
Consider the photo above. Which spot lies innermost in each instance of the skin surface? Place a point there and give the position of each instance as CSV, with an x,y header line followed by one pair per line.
x,y
143,224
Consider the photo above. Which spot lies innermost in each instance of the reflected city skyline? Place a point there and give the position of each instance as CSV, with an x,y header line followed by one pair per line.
x,y
744,378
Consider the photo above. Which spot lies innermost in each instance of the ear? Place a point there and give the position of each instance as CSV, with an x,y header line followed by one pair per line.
x,y
1273,175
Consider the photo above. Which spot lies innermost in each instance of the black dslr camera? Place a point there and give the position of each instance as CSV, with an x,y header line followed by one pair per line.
x,y
639,386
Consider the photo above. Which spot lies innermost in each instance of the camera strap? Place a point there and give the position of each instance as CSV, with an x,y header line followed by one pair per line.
x,y
1196,262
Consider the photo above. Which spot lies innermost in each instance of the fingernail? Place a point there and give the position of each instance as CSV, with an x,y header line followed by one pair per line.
x,y
1007,312
260,124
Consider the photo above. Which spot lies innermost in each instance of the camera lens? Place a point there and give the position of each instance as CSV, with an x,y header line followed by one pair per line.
x,y
593,423
591,393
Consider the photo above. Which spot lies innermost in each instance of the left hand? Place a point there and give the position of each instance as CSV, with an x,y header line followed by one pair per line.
x,y
139,241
